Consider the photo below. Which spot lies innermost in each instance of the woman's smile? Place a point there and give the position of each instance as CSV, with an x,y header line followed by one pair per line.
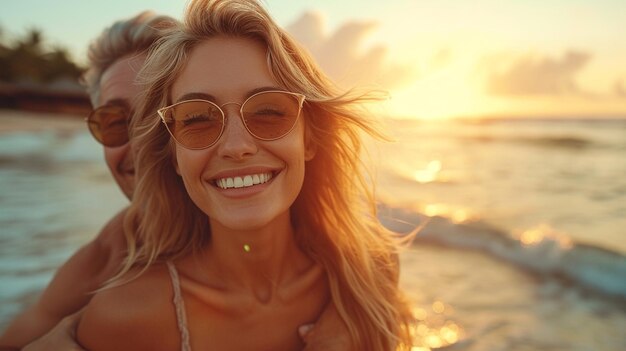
x,y
238,187
243,181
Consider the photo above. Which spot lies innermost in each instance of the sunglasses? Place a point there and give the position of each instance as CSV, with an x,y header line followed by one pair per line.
x,y
109,125
198,124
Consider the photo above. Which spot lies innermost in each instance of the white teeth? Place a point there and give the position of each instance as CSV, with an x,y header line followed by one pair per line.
x,y
245,181
238,182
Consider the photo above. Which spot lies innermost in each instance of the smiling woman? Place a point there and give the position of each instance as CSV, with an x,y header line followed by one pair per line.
x,y
250,204
235,68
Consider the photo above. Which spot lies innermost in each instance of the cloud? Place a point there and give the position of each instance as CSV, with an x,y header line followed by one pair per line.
x,y
619,89
341,54
532,75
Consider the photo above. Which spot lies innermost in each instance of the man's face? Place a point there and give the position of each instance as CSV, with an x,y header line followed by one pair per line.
x,y
118,87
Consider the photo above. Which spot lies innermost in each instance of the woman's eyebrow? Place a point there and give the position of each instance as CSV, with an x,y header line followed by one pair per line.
x,y
209,97
193,96
262,89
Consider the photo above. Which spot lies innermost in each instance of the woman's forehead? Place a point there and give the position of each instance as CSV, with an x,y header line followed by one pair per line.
x,y
226,68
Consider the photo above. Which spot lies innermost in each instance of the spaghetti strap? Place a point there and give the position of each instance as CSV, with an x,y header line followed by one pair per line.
x,y
179,304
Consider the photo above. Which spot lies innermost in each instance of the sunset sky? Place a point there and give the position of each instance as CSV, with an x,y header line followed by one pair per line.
x,y
437,58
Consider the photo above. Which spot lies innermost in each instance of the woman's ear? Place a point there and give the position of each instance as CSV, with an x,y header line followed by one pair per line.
x,y
309,153
175,163
310,146
174,159
310,149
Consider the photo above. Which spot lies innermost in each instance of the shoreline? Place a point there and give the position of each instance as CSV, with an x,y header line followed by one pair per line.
x,y
30,121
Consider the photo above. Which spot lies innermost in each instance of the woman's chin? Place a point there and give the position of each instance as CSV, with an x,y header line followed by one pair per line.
x,y
251,219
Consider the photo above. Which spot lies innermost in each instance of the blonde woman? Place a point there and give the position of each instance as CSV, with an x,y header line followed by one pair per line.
x,y
251,213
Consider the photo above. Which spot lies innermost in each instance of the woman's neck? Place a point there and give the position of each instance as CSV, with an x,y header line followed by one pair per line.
x,y
258,260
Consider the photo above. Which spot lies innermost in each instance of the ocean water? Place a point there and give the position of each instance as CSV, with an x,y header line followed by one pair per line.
x,y
522,243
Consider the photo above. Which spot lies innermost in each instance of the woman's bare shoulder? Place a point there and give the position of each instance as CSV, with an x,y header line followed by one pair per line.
x,y
136,315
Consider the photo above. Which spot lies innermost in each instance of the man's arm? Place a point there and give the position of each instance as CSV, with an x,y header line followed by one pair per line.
x,y
60,338
329,333
72,286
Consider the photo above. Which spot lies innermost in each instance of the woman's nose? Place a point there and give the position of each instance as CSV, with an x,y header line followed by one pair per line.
x,y
236,142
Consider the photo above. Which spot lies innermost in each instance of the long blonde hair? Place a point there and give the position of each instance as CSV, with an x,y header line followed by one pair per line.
x,y
335,213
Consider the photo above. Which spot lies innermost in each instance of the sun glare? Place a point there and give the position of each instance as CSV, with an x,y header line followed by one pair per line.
x,y
438,93
430,173
543,234
433,328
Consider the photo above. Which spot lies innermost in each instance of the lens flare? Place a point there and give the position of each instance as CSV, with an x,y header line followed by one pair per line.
x,y
432,328
428,174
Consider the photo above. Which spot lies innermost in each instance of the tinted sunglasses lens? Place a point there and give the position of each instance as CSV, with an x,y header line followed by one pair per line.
x,y
271,115
195,124
109,125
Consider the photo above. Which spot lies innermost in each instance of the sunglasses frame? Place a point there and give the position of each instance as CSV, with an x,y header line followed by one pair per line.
x,y
300,98
89,120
